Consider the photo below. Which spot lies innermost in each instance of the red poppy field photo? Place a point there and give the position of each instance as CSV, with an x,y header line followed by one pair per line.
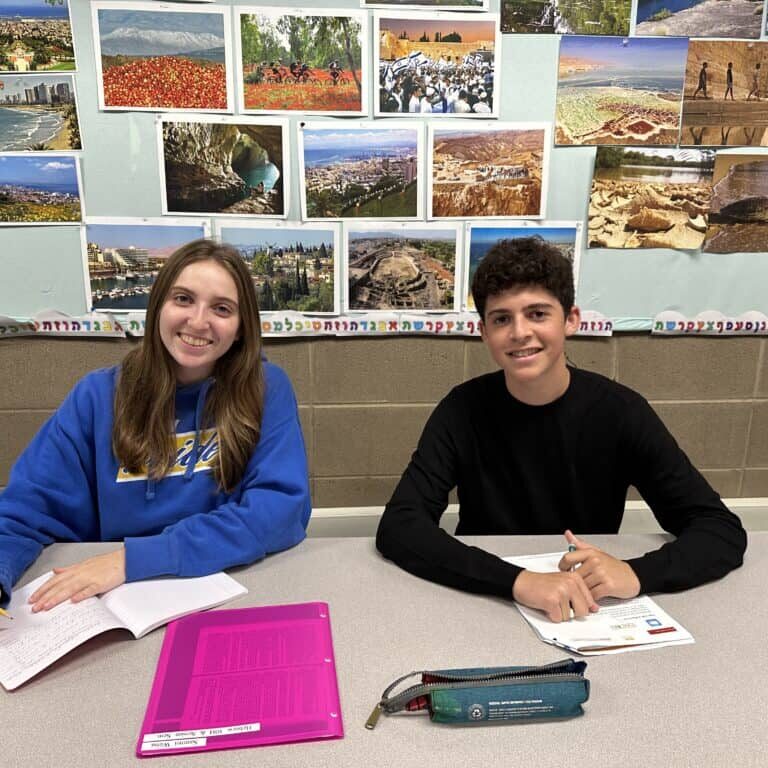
x,y
162,60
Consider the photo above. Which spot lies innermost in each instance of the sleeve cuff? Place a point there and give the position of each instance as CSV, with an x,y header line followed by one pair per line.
x,y
148,557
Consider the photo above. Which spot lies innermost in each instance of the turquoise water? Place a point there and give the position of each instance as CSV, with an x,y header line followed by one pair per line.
x,y
268,173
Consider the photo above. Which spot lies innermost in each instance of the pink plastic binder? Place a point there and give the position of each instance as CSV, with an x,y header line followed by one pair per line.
x,y
243,678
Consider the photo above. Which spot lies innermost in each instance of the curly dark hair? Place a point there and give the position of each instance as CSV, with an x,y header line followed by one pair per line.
x,y
521,262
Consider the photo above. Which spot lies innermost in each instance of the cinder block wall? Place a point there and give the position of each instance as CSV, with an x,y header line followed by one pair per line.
x,y
363,402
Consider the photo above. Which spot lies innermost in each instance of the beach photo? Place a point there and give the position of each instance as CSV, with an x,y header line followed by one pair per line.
x,y
738,217
566,17
35,36
488,170
39,189
294,266
614,90
700,18
563,235
726,94
362,171
401,267
38,113
230,166
650,198
309,62
150,59
124,257
440,64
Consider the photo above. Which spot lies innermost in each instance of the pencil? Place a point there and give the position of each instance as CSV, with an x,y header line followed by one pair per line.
x,y
572,548
6,614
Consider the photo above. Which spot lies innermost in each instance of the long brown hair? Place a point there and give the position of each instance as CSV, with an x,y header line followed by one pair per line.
x,y
143,432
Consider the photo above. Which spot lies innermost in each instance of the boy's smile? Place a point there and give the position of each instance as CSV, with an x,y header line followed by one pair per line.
x,y
525,330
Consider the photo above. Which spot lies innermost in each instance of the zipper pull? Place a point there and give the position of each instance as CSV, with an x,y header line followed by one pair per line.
x,y
373,718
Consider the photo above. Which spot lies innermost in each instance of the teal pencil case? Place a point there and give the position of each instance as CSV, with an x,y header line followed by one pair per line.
x,y
490,694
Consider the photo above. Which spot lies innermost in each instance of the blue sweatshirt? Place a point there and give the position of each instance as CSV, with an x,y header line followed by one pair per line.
x,y
67,486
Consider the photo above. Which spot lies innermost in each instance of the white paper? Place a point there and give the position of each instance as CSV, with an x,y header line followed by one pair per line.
x,y
620,625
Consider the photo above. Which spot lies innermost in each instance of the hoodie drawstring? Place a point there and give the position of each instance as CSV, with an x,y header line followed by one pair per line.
x,y
190,470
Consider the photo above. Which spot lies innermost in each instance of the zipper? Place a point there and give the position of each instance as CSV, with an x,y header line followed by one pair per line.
x,y
546,673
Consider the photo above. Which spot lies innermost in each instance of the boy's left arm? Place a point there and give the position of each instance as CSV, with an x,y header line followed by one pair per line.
x,y
710,540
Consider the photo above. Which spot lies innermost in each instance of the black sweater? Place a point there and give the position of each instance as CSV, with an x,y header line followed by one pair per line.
x,y
523,469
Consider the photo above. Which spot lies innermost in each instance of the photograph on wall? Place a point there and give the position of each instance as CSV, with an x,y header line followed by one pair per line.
x,y
614,90
406,267
436,64
493,169
726,86
303,61
566,17
294,266
738,217
233,166
39,189
563,235
123,258
151,59
36,36
38,113
438,5
650,198
699,18
361,170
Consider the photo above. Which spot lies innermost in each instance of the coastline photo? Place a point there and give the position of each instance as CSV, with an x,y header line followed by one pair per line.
x,y
407,268
124,258
38,113
488,170
365,171
440,64
726,85
614,90
236,167
293,62
293,266
699,18
738,219
564,235
35,36
566,17
650,198
148,59
37,189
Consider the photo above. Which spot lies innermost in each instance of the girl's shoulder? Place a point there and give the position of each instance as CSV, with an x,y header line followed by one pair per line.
x,y
97,385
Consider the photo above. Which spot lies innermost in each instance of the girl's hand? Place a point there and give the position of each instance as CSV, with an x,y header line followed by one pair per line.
x,y
80,581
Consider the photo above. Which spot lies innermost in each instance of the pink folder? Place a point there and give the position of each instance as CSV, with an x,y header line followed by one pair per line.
x,y
243,678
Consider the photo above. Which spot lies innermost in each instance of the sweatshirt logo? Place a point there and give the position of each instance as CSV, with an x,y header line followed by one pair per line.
x,y
208,449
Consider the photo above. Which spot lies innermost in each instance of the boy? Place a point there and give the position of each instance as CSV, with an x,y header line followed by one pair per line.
x,y
540,448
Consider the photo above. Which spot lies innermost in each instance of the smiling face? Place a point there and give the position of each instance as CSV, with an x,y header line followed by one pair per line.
x,y
525,330
199,320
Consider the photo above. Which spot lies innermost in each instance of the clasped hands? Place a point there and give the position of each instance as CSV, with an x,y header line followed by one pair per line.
x,y
595,575
80,581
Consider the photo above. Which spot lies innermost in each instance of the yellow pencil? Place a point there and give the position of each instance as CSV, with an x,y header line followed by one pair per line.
x,y
6,614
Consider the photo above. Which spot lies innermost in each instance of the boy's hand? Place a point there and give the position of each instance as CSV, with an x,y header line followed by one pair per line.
x,y
557,594
603,574
80,581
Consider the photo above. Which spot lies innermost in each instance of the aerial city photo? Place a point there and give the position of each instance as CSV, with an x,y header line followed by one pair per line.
x,y
488,171
360,172
405,268
293,268
614,90
38,112
125,259
38,189
35,36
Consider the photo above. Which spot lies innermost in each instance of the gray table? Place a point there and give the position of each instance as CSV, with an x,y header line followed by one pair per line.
x,y
695,705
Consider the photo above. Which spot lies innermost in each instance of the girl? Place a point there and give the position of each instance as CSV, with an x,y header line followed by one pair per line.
x,y
190,452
